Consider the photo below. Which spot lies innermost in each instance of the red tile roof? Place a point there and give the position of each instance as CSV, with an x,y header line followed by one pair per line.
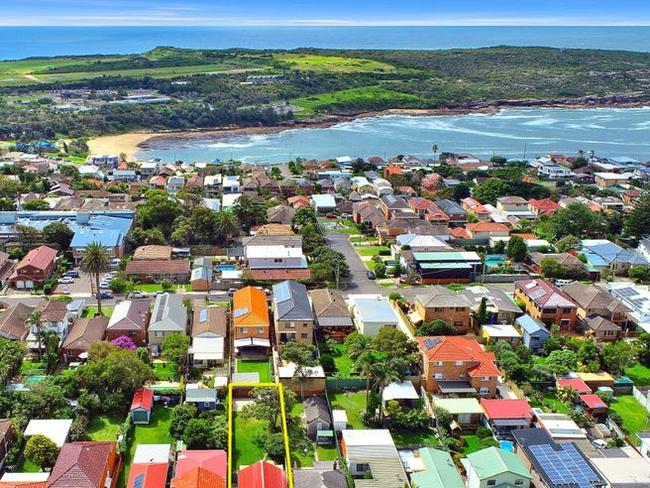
x,y
198,478
576,383
506,409
81,465
459,233
280,274
545,203
158,266
486,227
213,460
39,258
23,484
155,475
592,401
419,203
459,348
544,293
143,398
261,475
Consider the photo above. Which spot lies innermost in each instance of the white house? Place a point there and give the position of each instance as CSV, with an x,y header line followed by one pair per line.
x,y
175,184
553,171
373,452
150,168
323,203
231,184
371,313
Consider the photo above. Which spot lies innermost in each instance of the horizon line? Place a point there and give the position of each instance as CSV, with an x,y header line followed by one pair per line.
x,y
335,24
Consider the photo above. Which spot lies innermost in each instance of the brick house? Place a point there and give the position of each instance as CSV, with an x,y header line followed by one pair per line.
x,y
83,333
458,365
86,465
545,302
444,304
293,315
250,322
130,318
34,269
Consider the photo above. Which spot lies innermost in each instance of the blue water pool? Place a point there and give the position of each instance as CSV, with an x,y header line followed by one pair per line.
x,y
226,267
507,446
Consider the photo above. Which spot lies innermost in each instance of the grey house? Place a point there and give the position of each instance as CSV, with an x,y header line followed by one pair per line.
x,y
294,319
169,316
533,332
317,419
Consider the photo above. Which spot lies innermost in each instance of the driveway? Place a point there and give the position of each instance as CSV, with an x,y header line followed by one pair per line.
x,y
358,282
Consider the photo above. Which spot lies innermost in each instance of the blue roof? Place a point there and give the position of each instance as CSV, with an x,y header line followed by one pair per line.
x,y
530,325
604,252
107,227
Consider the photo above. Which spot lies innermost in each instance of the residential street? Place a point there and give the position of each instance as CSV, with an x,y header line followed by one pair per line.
x,y
358,281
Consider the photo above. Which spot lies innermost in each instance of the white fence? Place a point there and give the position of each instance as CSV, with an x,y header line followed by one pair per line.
x,y
641,398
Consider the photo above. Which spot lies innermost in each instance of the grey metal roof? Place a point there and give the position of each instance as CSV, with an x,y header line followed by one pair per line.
x,y
169,313
291,301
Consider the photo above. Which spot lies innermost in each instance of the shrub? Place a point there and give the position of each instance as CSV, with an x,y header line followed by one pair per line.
x,y
167,285
483,432
41,451
119,285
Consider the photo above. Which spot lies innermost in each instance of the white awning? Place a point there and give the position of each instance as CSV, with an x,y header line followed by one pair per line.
x,y
252,341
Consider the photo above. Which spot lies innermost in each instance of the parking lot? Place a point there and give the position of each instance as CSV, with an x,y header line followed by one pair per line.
x,y
79,287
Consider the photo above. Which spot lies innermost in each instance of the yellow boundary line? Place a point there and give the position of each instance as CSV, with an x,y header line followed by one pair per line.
x,y
283,416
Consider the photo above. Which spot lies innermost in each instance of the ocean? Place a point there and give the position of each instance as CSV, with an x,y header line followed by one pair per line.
x,y
21,42
513,133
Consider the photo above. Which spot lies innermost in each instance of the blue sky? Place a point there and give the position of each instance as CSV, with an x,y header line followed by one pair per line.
x,y
325,12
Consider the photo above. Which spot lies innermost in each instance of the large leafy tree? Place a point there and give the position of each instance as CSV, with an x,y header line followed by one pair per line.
x,y
249,212
490,190
576,220
158,211
436,328
59,234
303,216
637,222
266,405
11,357
41,451
95,261
516,249
174,349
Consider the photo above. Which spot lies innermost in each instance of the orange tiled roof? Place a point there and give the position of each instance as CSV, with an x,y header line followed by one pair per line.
x,y
249,307
458,348
486,227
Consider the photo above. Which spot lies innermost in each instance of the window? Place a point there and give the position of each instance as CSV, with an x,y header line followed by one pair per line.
x,y
243,330
486,378
363,467
305,324
438,363
483,390
459,324
491,482
260,330
438,376
566,310
291,325
158,333
303,336
459,363
460,309
519,482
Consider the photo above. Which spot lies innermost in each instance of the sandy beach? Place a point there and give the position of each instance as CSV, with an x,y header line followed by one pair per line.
x,y
123,143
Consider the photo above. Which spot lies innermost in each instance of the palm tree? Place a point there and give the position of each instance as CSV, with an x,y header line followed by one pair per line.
x,y
435,150
383,374
227,225
95,261
364,365
35,322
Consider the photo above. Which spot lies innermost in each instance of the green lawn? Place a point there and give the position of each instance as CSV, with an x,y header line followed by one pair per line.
x,y
371,250
422,438
28,367
342,361
164,371
91,311
255,366
634,415
105,427
330,64
370,96
327,453
551,404
156,432
639,374
247,451
471,444
25,466
353,403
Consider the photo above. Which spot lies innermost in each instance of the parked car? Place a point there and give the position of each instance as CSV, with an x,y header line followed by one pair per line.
x,y
72,273
66,280
104,294
104,285
330,216
371,275
138,294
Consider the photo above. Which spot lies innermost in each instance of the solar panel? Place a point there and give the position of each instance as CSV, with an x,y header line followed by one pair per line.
x,y
565,466
537,294
203,315
431,343
240,311
138,482
281,292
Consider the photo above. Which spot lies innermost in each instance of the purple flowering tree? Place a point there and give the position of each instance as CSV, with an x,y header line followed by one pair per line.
x,y
124,342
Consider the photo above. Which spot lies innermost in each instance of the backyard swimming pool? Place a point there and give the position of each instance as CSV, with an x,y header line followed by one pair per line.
x,y
507,446
225,267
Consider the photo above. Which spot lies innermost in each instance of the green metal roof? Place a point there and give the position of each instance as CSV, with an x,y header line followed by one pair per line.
x,y
457,406
445,266
493,461
440,471
440,256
